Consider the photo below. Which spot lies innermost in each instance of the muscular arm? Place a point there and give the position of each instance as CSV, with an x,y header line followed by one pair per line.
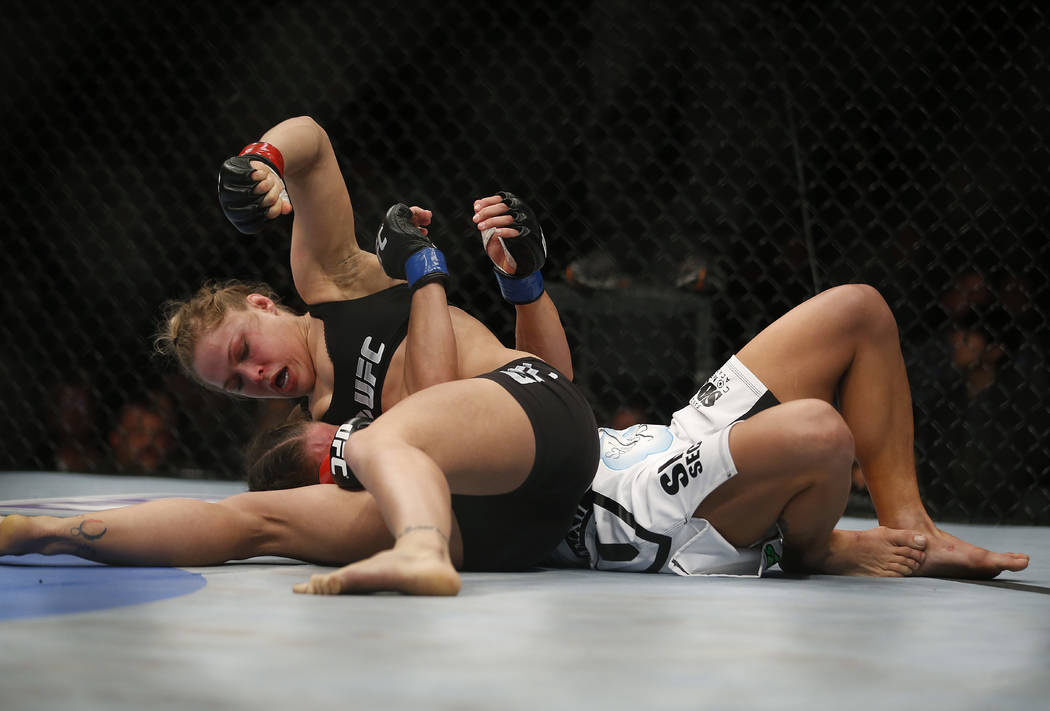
x,y
430,345
321,524
324,244
538,330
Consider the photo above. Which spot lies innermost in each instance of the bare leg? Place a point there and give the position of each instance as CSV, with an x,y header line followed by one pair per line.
x,y
321,524
793,463
467,436
844,342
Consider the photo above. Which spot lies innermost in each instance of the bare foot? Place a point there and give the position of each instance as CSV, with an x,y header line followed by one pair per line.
x,y
951,557
884,552
401,571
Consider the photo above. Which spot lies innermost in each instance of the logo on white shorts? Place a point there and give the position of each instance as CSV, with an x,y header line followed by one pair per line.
x,y
622,449
677,472
715,387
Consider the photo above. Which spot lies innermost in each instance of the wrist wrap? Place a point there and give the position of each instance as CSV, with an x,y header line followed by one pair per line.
x,y
520,291
425,266
267,153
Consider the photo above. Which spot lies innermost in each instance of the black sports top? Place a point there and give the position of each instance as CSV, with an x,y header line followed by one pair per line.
x,y
361,336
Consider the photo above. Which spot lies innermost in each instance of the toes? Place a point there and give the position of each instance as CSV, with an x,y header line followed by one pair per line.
x,y
911,563
912,554
318,585
911,539
1016,561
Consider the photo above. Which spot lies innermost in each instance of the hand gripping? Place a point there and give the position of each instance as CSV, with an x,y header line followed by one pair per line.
x,y
405,252
241,205
526,253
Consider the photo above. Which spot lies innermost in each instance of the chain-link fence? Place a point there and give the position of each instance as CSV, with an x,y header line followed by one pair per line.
x,y
775,149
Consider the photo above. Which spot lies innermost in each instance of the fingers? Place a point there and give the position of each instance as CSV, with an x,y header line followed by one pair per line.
x,y
489,207
492,213
421,218
482,203
271,187
499,228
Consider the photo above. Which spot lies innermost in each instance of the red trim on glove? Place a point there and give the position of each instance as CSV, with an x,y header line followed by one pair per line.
x,y
267,151
324,476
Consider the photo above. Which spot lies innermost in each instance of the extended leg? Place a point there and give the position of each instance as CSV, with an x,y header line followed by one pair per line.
x,y
843,344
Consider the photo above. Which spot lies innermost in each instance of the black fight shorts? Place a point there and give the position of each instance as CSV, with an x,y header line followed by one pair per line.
x,y
516,530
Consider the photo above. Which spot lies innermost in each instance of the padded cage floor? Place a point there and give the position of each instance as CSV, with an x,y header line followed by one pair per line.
x,y
78,635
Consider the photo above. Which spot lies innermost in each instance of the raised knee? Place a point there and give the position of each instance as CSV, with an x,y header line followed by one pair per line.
x,y
866,309
823,431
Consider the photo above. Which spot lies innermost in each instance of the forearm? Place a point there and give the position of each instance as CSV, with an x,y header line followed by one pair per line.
x,y
538,330
165,532
431,354
301,141
324,242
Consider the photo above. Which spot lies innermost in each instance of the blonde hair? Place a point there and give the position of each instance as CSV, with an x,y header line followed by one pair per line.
x,y
185,321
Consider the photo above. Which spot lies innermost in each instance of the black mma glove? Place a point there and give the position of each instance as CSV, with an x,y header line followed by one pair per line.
x,y
526,253
406,253
338,468
239,202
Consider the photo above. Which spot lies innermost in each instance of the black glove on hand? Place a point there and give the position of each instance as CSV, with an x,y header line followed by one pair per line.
x,y
405,252
241,205
527,253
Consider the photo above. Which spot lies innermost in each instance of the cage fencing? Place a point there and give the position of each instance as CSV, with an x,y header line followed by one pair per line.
x,y
699,168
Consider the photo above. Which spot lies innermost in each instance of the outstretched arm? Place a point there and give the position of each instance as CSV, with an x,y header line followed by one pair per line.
x,y
538,328
321,524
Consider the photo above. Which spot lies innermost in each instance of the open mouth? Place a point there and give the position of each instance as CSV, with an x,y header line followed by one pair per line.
x,y
281,381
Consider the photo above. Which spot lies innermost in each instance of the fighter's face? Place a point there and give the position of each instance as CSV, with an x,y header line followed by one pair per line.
x,y
258,352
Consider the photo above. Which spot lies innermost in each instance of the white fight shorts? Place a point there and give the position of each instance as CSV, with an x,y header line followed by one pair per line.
x,y
638,514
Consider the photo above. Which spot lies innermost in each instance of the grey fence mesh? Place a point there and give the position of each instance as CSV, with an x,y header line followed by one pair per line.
x,y
773,149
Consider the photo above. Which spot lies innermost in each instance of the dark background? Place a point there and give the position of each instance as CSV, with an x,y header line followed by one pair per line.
x,y
785,147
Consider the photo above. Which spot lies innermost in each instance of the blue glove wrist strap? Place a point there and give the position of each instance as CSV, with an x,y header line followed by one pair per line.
x,y
520,291
426,261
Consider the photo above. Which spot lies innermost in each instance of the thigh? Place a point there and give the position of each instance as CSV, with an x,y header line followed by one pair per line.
x,y
474,430
806,351
773,454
